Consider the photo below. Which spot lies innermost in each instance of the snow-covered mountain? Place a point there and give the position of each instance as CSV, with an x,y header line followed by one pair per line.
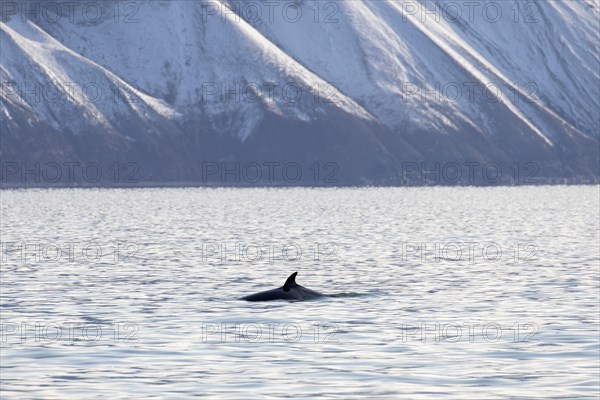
x,y
367,86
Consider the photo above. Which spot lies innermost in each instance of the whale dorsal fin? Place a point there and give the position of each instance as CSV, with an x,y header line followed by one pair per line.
x,y
290,282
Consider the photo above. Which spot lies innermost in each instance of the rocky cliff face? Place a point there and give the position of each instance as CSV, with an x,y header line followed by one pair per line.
x,y
303,92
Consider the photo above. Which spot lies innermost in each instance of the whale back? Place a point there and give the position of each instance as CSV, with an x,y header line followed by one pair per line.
x,y
290,291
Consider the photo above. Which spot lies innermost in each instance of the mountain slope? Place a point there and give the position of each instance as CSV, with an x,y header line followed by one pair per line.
x,y
368,86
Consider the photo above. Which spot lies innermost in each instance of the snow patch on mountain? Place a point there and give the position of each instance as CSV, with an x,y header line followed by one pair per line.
x,y
398,64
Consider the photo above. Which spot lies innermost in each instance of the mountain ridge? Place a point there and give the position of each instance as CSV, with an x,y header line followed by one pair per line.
x,y
368,86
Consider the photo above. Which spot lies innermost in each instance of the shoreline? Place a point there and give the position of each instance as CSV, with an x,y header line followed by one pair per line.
x,y
284,185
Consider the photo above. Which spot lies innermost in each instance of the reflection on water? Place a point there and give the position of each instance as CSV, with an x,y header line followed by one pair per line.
x,y
437,293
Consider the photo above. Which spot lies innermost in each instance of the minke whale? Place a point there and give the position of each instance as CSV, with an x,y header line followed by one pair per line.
x,y
290,291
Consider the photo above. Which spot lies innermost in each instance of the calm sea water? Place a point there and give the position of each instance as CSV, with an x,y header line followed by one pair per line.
x,y
436,293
